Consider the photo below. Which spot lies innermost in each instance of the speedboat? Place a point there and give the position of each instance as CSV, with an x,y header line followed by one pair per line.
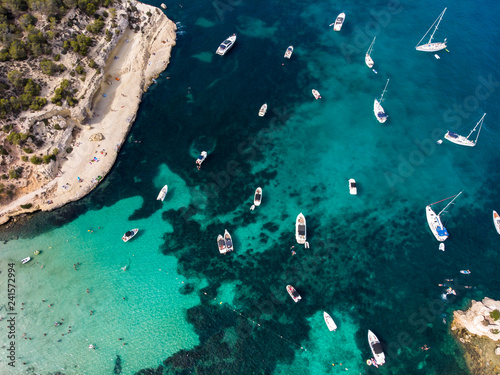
x,y
339,22
26,260
316,94
465,272
130,234
228,240
352,187
300,229
289,52
162,194
201,159
293,293
378,353
496,221
222,244
263,110
226,45
257,198
329,321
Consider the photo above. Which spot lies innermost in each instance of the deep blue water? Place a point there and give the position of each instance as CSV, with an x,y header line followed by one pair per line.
x,y
373,262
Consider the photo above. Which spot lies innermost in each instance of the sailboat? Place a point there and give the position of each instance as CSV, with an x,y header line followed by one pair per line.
x,y
465,141
378,109
429,46
368,59
434,221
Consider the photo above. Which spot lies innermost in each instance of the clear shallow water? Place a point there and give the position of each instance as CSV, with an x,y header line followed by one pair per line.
x,y
373,263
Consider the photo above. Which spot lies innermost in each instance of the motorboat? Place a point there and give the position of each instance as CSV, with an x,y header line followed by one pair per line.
x,y
300,229
201,159
496,221
378,110
376,347
263,110
163,193
257,198
228,240
289,52
329,321
130,234
221,243
226,45
316,94
293,293
352,187
465,272
25,260
434,220
465,141
339,22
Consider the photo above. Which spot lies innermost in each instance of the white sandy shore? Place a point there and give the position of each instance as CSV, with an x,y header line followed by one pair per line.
x,y
141,57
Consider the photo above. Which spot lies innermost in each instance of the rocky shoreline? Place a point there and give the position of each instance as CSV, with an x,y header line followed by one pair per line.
x,y
89,135
478,331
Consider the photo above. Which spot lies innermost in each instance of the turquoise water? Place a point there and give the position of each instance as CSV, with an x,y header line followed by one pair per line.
x,y
372,263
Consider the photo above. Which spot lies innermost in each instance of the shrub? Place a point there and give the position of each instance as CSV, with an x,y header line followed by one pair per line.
x,y
7,128
26,206
92,64
5,177
3,151
495,315
24,158
57,57
36,160
57,127
28,150
16,173
69,149
55,151
46,159
79,69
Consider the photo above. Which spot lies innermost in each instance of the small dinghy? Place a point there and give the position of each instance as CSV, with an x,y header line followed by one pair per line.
x,y
257,198
352,187
293,293
201,159
441,246
316,94
263,110
329,321
221,243
26,260
289,52
163,193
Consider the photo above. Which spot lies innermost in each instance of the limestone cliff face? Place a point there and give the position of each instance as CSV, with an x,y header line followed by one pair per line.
x,y
477,319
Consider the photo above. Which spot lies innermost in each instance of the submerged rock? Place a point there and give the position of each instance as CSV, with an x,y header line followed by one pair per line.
x,y
118,365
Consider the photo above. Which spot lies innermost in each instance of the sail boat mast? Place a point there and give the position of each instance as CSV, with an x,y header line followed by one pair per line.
x,y
440,18
472,131
383,92
429,46
456,196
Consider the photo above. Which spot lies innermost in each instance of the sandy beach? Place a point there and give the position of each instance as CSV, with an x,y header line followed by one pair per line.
x,y
136,60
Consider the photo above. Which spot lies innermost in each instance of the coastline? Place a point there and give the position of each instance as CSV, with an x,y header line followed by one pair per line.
x,y
130,68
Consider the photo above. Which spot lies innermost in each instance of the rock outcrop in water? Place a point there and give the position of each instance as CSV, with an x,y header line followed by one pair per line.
x,y
478,329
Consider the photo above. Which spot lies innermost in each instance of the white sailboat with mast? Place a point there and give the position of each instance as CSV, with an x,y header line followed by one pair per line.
x,y
434,221
368,59
378,110
465,141
429,46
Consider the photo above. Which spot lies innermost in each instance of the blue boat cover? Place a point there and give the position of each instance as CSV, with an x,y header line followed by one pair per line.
x,y
442,231
453,135
381,114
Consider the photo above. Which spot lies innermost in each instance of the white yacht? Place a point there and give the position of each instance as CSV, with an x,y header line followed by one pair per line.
x,y
163,193
434,220
288,52
429,46
352,187
465,141
376,347
226,45
329,321
339,22
263,110
300,229
201,159
378,110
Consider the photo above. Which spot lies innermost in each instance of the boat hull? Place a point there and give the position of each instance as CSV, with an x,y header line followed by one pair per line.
x,y
339,22
316,94
293,293
257,198
228,240
263,110
300,229
226,45
459,140
329,321
379,112
496,221
221,244
162,194
436,226
368,61
289,52
376,348
352,187
130,234
431,47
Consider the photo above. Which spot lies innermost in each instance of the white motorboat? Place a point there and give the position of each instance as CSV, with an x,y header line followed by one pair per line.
x,y
263,110
378,110
352,187
316,94
293,293
465,141
300,229
25,260
368,58
221,243
429,46
496,221
337,25
376,347
201,159
228,240
434,221
257,198
329,321
226,45
163,193
465,272
289,52
130,234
